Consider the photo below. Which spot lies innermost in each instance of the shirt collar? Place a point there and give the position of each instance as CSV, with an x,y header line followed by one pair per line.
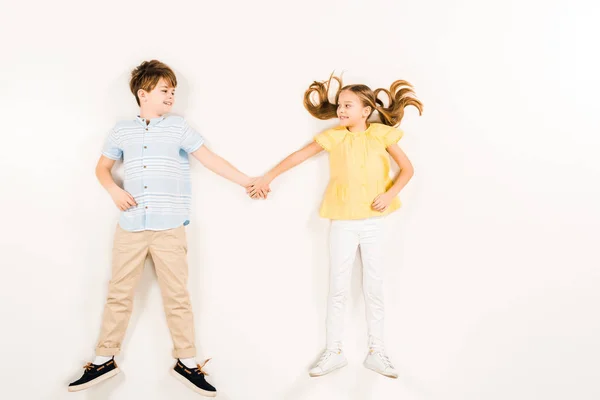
x,y
358,133
153,121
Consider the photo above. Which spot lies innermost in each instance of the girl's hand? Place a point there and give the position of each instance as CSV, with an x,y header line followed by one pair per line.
x,y
122,199
382,202
259,188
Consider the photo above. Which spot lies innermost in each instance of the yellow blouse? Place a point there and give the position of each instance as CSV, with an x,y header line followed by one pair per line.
x,y
359,169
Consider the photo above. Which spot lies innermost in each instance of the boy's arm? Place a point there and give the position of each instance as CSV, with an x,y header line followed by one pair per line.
x,y
220,166
122,199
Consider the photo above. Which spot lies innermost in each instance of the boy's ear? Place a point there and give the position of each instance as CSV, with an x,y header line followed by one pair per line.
x,y
142,95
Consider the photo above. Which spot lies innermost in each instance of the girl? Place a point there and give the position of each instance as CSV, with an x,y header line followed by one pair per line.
x,y
359,195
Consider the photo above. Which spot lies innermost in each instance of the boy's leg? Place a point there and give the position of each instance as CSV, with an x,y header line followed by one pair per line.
x,y
169,252
129,254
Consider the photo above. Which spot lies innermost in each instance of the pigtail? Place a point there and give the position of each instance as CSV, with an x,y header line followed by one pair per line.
x,y
323,109
400,95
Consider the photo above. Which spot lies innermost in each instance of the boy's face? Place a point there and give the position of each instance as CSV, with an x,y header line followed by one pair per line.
x,y
159,100
351,111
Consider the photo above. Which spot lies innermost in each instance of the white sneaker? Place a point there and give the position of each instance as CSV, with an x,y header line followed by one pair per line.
x,y
330,361
379,362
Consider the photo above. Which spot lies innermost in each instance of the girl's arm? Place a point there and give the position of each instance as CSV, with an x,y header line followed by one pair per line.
x,y
261,186
382,201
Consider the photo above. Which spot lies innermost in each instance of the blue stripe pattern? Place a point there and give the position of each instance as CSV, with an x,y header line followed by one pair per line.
x,y
157,170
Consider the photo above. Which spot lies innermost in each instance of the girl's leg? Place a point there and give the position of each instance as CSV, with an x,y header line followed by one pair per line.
x,y
371,238
344,241
371,250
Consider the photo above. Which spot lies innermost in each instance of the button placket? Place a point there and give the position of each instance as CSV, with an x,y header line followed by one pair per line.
x,y
145,147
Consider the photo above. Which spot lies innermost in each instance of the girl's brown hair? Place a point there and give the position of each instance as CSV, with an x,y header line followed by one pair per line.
x,y
400,95
146,75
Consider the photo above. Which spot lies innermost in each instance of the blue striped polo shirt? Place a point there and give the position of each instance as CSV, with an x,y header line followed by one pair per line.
x,y
157,170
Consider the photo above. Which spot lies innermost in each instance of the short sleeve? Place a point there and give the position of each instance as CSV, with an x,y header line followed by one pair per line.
x,y
392,136
324,140
191,140
112,148
329,139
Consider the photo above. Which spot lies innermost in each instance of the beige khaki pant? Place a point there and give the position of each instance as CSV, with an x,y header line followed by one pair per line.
x,y
168,250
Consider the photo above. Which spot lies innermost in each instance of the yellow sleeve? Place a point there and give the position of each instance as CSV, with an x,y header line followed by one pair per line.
x,y
328,139
391,136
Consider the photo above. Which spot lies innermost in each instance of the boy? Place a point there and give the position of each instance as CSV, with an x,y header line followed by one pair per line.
x,y
155,203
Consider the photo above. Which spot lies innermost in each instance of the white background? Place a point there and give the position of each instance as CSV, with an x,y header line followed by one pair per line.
x,y
492,270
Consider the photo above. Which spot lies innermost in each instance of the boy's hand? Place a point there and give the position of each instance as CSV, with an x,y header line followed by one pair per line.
x,y
122,199
382,202
259,188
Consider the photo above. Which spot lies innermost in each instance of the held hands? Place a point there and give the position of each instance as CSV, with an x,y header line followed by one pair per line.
x,y
258,188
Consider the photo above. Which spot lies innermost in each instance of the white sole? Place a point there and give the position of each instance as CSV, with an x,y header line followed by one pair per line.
x,y
381,373
96,381
315,375
191,385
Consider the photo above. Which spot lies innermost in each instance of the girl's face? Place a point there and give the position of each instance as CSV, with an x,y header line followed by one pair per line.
x,y
351,111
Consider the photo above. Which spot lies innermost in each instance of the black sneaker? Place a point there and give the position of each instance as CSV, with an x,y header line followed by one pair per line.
x,y
194,378
95,374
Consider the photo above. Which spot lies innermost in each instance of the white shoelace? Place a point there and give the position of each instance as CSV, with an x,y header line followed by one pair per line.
x,y
384,358
325,356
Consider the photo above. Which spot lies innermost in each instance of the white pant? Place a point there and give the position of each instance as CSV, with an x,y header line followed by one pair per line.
x,y
345,237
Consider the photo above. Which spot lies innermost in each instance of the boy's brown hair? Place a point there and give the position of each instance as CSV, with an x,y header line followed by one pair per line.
x,y
146,75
